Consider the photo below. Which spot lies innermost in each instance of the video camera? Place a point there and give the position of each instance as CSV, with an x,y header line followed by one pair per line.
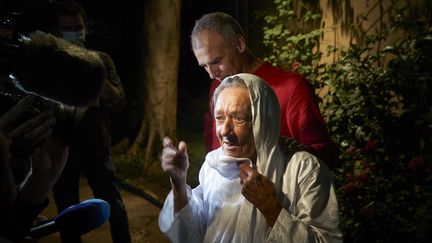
x,y
68,118
64,77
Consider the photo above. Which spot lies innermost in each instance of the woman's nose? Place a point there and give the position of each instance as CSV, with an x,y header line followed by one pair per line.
x,y
226,127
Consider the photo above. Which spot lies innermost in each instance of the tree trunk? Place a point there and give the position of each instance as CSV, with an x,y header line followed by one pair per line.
x,y
160,46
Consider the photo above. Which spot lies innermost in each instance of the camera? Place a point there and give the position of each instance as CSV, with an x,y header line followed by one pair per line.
x,y
68,118
62,76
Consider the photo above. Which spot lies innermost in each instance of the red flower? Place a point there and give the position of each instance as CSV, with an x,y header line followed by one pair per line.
x,y
366,212
359,151
371,145
295,66
363,177
350,150
349,176
417,162
350,187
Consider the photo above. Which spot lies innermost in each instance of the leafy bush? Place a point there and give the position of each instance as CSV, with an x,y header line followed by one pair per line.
x,y
291,36
382,120
380,114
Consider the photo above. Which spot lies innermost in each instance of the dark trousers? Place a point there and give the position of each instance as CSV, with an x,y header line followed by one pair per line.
x,y
102,180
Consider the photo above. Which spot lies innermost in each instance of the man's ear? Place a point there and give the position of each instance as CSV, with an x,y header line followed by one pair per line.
x,y
241,44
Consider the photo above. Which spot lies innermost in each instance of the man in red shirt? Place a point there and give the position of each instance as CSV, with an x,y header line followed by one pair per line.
x,y
220,47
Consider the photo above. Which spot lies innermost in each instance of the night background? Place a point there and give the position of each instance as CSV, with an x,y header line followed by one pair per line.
x,y
371,65
114,27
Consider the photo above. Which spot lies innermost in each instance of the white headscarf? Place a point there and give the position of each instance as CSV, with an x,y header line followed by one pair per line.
x,y
270,160
265,121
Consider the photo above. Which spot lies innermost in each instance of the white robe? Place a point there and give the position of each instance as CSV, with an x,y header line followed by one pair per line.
x,y
218,212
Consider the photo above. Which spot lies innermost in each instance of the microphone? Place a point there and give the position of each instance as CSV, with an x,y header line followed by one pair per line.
x,y
57,69
75,220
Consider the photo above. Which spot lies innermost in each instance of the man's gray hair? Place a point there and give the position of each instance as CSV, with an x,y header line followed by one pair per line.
x,y
224,24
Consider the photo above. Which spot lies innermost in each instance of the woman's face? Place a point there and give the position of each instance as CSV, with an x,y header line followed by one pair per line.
x,y
234,123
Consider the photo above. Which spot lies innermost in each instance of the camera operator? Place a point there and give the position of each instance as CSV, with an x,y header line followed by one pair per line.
x,y
21,202
65,79
90,152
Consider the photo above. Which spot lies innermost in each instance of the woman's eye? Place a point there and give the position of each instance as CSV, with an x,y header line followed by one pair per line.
x,y
219,119
239,120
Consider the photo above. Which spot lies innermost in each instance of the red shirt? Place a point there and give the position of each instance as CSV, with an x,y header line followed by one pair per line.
x,y
300,115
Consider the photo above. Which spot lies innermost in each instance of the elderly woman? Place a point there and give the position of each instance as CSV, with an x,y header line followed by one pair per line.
x,y
254,188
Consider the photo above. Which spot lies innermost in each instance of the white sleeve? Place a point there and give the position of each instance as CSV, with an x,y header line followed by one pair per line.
x,y
314,217
188,225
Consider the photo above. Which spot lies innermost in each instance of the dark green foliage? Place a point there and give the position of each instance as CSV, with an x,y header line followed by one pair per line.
x,y
381,118
291,36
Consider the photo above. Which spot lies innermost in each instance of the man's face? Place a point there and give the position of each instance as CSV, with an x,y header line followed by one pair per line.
x,y
233,123
72,29
219,58
71,23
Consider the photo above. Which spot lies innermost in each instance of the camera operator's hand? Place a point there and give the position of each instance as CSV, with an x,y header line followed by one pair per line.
x,y
7,182
29,132
112,97
48,161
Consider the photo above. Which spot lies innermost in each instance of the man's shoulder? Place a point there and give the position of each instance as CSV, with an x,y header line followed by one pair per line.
x,y
273,74
105,57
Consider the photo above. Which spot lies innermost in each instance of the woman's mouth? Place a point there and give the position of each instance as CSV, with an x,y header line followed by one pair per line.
x,y
230,147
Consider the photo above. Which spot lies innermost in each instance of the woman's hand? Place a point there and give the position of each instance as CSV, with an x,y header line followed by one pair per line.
x,y
175,163
260,191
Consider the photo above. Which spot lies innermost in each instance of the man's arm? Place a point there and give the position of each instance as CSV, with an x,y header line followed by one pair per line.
x,y
112,95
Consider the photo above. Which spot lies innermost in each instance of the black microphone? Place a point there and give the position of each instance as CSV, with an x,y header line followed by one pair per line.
x,y
57,69
75,220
